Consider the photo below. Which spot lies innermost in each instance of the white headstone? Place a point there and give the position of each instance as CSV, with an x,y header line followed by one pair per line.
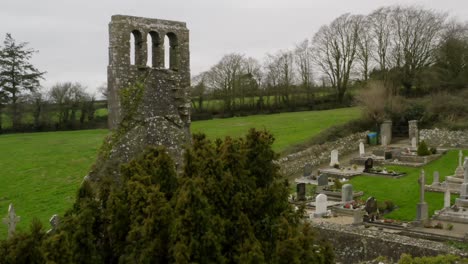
x,y
347,193
414,142
447,197
362,151
435,180
11,220
320,205
334,157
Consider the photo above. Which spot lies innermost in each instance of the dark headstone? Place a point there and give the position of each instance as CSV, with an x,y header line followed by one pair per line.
x,y
371,208
301,191
322,180
369,164
307,170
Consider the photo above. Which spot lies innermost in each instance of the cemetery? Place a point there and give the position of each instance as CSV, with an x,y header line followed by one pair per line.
x,y
159,192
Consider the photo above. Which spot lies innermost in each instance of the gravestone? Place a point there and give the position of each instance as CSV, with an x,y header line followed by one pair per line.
x,y
362,151
320,205
54,223
386,132
334,158
435,180
414,142
322,180
459,172
463,200
371,208
11,220
413,131
368,165
447,196
422,214
301,191
307,170
347,193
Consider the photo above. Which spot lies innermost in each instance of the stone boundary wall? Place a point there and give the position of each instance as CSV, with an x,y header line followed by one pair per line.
x,y
355,244
293,164
444,138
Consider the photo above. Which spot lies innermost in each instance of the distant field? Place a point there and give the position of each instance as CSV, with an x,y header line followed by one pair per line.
x,y
404,192
288,128
40,172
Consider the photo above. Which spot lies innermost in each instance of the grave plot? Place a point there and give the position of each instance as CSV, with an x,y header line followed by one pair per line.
x,y
369,169
452,183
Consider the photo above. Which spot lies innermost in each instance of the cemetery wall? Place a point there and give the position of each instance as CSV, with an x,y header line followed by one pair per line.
x,y
444,138
293,164
354,244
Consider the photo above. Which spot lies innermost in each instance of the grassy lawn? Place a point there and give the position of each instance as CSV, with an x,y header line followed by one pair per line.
x,y
288,128
404,192
40,172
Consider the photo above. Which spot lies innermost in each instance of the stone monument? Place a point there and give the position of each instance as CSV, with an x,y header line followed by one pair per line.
x,y
463,200
422,214
446,197
147,96
307,170
347,193
413,131
386,132
320,205
301,191
334,158
435,180
11,220
362,151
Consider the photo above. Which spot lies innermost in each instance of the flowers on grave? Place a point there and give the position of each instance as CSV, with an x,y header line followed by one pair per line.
x,y
336,166
355,166
439,225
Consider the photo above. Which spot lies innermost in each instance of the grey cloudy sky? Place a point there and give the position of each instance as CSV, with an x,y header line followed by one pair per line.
x,y
72,37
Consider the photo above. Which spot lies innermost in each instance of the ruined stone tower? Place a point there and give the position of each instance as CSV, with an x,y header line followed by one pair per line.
x,y
147,96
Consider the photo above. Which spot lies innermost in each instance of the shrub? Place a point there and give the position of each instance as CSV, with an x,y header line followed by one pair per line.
x,y
337,184
390,205
433,150
423,150
449,226
382,206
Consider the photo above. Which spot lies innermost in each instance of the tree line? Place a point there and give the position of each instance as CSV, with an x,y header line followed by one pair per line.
x,y
413,50
28,107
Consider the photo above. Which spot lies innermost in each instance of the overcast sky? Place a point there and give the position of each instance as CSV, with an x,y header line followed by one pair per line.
x,y
72,36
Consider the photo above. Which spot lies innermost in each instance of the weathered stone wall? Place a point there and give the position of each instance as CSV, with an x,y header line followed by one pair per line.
x,y
148,103
355,244
293,164
445,138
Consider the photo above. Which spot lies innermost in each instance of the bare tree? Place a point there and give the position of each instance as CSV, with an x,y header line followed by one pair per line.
x,y
417,33
224,76
303,59
364,45
335,48
380,30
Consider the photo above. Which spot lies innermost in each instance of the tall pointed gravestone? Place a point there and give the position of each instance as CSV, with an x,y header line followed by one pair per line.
x,y
422,214
463,200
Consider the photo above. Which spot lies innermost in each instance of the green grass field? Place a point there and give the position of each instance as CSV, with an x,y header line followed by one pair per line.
x,y
40,172
288,128
404,192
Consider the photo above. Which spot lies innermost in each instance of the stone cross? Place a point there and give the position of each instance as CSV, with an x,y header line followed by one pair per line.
x,y
362,151
334,157
414,142
320,205
11,220
460,158
422,183
54,222
435,180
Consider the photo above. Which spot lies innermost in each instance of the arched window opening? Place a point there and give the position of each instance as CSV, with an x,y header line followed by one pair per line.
x,y
153,45
171,52
166,52
136,48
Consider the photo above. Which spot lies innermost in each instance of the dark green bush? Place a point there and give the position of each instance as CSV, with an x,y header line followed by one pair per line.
x,y
423,150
